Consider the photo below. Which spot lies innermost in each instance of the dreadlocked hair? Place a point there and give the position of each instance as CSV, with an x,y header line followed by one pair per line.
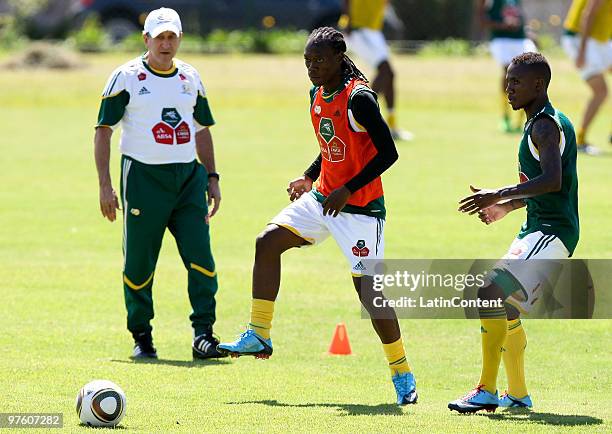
x,y
334,39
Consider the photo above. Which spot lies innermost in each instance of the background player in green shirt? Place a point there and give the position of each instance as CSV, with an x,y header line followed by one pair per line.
x,y
549,190
505,21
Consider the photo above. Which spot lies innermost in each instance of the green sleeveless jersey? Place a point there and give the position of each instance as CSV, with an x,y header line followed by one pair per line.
x,y
556,212
502,10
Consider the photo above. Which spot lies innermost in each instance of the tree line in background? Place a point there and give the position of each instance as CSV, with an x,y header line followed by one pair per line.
x,y
448,25
422,19
435,19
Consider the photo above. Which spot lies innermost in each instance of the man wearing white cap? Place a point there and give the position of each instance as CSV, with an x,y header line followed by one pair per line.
x,y
162,108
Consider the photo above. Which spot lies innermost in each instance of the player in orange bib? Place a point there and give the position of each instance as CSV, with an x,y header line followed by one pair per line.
x,y
347,202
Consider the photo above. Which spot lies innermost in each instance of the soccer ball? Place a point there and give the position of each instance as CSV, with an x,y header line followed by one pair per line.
x,y
100,403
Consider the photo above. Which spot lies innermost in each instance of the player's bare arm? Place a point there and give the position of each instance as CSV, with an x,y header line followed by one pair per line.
x,y
545,136
499,211
206,155
487,23
588,19
336,200
367,114
298,186
109,202
344,22
483,20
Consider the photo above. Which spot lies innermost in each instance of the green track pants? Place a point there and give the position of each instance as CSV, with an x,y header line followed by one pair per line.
x,y
156,197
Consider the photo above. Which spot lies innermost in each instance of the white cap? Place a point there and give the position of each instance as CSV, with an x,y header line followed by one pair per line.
x,y
162,20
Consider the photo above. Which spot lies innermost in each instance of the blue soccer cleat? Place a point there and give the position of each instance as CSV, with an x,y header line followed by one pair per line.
x,y
477,399
405,387
509,401
248,343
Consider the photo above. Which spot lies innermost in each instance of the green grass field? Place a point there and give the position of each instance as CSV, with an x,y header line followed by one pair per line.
x,y
62,320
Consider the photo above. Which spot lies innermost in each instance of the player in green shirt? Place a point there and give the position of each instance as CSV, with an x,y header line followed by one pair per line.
x,y
505,21
549,189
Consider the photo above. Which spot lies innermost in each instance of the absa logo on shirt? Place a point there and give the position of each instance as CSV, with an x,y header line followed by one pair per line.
x,y
163,134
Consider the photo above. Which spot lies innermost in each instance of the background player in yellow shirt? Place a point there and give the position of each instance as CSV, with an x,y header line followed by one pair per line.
x,y
365,38
588,29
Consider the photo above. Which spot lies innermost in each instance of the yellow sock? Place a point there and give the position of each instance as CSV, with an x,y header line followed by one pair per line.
x,y
581,136
493,334
391,121
513,354
261,317
397,357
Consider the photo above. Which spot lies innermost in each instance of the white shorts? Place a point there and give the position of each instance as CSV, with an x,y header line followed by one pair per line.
x,y
528,265
369,45
598,56
506,49
359,236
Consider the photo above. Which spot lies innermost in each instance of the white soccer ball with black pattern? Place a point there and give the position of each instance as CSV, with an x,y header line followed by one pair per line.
x,y
100,403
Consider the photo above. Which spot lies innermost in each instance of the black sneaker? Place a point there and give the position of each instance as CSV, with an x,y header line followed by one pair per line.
x,y
205,347
143,347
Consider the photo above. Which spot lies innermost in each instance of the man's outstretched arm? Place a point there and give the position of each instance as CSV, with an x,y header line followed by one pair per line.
x,y
546,137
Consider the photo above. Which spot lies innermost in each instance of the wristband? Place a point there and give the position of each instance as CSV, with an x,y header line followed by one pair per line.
x,y
213,175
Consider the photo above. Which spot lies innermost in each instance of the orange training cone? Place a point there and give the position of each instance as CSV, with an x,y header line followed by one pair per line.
x,y
340,342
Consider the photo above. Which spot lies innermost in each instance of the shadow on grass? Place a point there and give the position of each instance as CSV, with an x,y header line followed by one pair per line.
x,y
344,409
177,363
522,415
84,425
